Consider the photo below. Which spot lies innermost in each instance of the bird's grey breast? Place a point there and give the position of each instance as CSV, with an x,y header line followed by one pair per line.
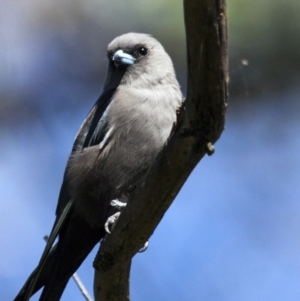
x,y
143,117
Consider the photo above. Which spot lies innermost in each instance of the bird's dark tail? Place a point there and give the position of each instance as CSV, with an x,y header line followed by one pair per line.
x,y
34,282
41,280
76,240
73,247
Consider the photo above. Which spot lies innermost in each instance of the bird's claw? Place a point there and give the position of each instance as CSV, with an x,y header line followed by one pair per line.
x,y
144,248
110,221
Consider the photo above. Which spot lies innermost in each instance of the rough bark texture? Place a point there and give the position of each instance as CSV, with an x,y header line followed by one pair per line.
x,y
203,123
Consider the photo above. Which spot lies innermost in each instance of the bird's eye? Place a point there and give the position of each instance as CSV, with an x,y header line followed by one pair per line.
x,y
143,50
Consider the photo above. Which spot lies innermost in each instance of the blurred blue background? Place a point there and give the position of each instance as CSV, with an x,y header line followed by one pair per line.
x,y
233,232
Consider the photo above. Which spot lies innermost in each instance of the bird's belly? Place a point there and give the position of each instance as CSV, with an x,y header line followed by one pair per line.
x,y
99,176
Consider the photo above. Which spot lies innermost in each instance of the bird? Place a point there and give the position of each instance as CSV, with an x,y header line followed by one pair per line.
x,y
117,143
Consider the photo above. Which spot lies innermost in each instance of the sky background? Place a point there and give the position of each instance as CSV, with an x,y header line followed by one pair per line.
x,y
233,231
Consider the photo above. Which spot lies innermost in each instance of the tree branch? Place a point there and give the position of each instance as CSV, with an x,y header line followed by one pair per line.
x,y
206,34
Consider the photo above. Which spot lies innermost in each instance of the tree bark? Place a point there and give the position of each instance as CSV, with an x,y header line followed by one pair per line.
x,y
203,123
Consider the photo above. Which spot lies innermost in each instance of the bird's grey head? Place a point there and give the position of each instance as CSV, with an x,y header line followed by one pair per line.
x,y
138,60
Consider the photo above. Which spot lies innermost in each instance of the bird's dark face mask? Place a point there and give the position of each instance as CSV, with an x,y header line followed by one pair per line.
x,y
119,61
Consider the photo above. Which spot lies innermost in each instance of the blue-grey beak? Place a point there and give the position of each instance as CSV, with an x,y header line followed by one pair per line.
x,y
122,58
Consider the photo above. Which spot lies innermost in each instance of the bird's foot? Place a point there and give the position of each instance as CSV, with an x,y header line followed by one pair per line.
x,y
110,221
118,204
144,248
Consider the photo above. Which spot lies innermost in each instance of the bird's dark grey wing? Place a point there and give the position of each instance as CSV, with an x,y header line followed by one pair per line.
x,y
91,132
92,127
98,128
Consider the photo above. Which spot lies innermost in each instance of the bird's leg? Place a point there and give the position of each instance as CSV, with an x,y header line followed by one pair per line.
x,y
113,218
